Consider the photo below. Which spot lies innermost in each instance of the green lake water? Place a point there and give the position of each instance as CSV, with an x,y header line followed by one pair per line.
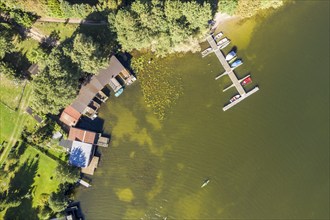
x,y
267,158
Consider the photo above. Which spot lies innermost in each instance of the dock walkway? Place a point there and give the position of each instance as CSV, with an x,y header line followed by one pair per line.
x,y
230,72
228,69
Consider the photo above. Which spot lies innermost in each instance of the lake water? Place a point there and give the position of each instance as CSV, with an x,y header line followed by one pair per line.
x,y
266,158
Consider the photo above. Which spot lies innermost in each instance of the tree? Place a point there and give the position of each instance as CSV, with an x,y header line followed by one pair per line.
x,y
8,70
67,173
227,6
56,85
58,201
162,26
86,53
35,55
6,36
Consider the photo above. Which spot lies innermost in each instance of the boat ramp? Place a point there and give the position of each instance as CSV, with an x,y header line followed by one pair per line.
x,y
216,48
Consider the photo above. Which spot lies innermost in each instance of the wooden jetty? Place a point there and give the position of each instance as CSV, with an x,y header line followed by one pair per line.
x,y
230,72
84,183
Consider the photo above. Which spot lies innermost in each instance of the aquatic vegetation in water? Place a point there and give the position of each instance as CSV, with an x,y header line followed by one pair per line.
x,y
125,195
161,84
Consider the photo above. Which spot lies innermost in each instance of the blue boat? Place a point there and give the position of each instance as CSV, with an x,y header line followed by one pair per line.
x,y
237,63
230,55
119,92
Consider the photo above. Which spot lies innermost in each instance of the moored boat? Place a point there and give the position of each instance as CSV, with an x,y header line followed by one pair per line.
x,y
222,41
232,60
218,36
230,55
233,99
246,81
119,92
237,63
206,52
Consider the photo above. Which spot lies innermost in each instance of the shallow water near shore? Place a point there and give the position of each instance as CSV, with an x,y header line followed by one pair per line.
x,y
266,158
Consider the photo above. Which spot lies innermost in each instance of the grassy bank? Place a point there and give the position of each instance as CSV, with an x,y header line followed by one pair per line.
x,y
61,29
32,180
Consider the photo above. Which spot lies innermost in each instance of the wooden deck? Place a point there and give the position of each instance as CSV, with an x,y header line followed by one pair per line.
x,y
91,167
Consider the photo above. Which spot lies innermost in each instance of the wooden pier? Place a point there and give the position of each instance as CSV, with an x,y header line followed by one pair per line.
x,y
226,107
230,72
84,183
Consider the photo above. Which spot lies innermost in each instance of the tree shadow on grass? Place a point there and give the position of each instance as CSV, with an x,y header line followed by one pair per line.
x,y
21,187
23,211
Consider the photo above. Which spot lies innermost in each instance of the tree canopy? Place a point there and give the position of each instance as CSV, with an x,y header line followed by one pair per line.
x,y
162,26
86,53
56,86
67,173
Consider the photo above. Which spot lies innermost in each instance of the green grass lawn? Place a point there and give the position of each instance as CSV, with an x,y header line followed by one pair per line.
x,y
7,119
64,30
10,92
10,95
27,45
45,181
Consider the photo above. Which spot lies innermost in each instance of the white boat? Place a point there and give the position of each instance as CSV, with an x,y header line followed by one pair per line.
x,y
218,36
230,55
235,98
222,41
224,45
205,183
206,52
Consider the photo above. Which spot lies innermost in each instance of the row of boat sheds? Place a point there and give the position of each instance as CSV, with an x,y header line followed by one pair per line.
x,y
81,143
229,63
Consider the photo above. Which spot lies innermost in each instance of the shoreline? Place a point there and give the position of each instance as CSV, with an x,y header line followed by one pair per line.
x,y
221,18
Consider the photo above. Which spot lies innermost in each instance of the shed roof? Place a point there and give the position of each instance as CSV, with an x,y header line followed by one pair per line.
x,y
80,154
70,116
85,136
33,69
97,83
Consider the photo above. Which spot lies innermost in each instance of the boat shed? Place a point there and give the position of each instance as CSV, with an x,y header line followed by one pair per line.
x,y
77,134
70,116
80,154
97,83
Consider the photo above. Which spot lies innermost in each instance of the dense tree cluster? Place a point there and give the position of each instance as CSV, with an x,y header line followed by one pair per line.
x,y
23,18
86,53
162,26
57,84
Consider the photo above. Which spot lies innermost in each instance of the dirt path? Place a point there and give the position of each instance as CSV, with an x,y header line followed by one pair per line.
x,y
73,21
35,34
20,120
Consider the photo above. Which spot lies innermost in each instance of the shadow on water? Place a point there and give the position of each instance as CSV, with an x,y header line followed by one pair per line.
x,y
92,125
234,48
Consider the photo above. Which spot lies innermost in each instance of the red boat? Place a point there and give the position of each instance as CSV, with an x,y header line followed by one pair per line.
x,y
246,81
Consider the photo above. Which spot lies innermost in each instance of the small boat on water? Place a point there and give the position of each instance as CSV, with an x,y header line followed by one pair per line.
x,y
246,81
232,60
205,183
218,36
230,55
237,63
119,92
223,43
206,52
235,98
